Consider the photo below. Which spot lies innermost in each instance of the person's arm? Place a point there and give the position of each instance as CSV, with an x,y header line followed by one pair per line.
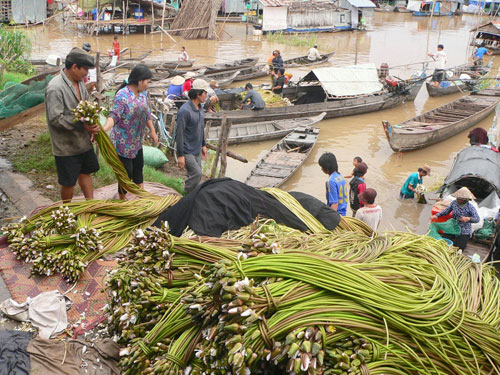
x,y
182,118
333,196
154,136
446,211
118,112
204,152
473,218
246,97
109,124
55,113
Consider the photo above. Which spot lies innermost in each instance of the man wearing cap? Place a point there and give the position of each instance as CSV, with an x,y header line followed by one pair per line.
x,y
370,213
190,138
201,84
71,141
408,190
464,213
314,54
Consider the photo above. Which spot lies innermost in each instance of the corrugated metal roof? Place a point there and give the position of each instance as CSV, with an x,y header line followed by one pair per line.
x,y
274,3
347,80
361,3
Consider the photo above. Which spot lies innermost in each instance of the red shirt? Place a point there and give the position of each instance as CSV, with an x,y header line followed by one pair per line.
x,y
116,47
187,85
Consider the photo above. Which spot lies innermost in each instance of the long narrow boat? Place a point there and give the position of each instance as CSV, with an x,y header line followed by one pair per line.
x,y
234,65
175,64
9,122
456,84
260,131
304,61
440,123
253,72
333,108
283,160
435,14
223,78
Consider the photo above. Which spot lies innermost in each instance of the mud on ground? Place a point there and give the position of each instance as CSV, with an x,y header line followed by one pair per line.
x,y
14,140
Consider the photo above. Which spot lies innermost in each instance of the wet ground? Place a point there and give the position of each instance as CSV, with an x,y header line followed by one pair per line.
x,y
396,39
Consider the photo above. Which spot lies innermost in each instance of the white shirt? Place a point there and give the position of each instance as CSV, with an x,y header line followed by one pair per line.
x,y
370,215
313,54
440,58
184,56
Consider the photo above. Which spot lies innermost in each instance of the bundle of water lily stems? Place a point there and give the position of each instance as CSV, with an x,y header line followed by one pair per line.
x,y
65,238
268,299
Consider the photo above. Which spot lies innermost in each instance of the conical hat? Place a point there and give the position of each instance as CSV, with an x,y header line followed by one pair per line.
x,y
178,80
463,193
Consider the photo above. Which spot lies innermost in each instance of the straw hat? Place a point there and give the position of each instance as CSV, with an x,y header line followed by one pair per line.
x,y
189,75
200,84
463,193
427,169
177,80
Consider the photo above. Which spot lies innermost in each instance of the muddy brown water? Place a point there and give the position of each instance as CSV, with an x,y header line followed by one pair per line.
x,y
396,39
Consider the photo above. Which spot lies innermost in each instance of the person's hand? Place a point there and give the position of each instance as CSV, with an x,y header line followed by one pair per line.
x,y
92,129
464,219
181,162
204,152
154,137
434,217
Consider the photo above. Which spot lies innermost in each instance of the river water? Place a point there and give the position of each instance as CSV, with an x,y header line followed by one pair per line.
x,y
396,39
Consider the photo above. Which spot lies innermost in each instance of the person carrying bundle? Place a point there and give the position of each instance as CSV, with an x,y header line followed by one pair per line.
x,y
129,118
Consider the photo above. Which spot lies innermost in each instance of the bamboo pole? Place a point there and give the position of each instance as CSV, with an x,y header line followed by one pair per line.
x,y
231,154
153,15
225,140
219,145
163,18
124,11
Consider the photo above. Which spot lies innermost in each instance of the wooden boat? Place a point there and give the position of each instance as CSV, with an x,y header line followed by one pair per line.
x,y
234,65
428,14
283,160
223,78
9,122
304,61
440,123
253,72
478,169
385,8
402,9
260,131
458,85
175,64
333,108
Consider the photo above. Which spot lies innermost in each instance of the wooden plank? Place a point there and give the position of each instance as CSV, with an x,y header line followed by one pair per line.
x,y
12,121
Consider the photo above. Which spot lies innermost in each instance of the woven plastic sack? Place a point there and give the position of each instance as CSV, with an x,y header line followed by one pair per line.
x,y
153,157
449,227
486,231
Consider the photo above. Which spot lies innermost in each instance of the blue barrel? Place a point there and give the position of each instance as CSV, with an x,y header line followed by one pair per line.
x,y
138,13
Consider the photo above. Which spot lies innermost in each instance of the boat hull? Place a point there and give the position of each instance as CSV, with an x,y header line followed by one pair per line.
x,y
441,91
414,138
333,109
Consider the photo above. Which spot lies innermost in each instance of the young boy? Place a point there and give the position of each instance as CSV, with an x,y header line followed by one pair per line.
x,y
355,162
336,187
371,213
357,186
116,46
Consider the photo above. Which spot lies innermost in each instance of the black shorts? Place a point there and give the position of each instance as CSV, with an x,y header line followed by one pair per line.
x,y
70,167
134,169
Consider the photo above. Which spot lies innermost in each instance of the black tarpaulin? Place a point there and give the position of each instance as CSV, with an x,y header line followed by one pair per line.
x,y
224,204
14,359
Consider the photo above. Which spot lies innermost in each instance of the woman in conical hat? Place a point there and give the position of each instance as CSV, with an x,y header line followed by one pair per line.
x,y
464,213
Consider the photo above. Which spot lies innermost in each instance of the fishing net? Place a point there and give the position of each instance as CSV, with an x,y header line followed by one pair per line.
x,y
17,97
449,227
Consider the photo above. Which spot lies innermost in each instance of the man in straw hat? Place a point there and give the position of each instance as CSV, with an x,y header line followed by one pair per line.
x,y
408,190
464,213
71,141
175,88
